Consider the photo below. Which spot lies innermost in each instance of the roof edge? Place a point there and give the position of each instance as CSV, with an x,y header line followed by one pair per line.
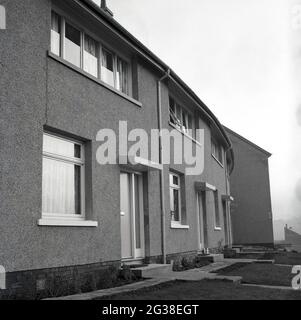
x,y
157,62
248,142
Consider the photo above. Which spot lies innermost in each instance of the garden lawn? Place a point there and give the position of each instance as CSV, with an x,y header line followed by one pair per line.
x,y
290,258
258,273
206,290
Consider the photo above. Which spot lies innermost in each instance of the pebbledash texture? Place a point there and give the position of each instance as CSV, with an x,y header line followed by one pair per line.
x,y
68,70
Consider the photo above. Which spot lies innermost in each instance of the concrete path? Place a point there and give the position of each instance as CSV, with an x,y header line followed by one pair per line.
x,y
163,277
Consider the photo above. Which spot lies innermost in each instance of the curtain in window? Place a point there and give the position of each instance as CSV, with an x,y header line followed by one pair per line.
x,y
90,56
61,187
72,45
122,76
107,67
55,33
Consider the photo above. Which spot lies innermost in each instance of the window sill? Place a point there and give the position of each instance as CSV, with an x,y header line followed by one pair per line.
x,y
217,229
98,81
175,225
185,134
215,158
66,223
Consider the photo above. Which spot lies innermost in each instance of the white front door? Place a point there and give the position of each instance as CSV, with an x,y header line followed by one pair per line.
x,y
131,216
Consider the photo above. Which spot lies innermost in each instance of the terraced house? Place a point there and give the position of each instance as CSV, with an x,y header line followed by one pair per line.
x,y
68,70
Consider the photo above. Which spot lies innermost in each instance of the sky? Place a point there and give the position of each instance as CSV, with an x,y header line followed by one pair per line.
x,y
240,57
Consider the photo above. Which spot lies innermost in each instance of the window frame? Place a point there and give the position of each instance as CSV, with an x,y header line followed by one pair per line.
x,y
216,148
173,187
65,18
180,126
70,160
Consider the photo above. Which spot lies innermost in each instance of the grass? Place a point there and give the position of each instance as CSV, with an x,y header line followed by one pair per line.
x,y
289,258
206,290
267,274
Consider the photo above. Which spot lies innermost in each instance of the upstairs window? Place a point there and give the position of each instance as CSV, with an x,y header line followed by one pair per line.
x,y
72,45
107,67
81,50
55,33
91,56
180,117
217,151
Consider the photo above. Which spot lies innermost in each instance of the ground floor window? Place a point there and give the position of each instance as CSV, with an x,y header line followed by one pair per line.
x,y
175,197
63,178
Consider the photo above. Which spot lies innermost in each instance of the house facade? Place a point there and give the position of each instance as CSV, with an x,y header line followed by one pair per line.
x,y
292,239
250,188
69,70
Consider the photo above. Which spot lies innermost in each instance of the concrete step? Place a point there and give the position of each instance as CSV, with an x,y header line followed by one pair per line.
x,y
152,270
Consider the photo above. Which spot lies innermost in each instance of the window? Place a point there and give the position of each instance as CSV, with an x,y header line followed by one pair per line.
x,y
179,117
91,56
175,197
216,210
122,76
55,33
72,45
217,151
63,178
88,54
107,67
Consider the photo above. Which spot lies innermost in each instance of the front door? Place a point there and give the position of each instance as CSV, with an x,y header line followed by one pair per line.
x,y
131,216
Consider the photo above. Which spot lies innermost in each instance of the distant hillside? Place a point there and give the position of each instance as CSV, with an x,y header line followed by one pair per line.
x,y
294,223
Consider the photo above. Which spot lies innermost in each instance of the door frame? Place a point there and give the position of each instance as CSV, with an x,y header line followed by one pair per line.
x,y
137,253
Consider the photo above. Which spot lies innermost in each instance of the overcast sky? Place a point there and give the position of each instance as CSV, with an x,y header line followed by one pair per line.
x,y
237,56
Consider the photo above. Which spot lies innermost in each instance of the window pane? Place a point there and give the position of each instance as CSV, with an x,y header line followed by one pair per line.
x,y
55,33
122,76
185,121
91,56
175,180
107,69
176,212
61,187
179,114
72,45
61,147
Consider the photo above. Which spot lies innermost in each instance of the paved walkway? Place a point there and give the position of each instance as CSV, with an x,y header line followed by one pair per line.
x,y
163,277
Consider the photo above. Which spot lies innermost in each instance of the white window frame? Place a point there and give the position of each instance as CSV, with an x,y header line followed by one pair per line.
x,y
180,124
215,149
172,187
101,45
75,161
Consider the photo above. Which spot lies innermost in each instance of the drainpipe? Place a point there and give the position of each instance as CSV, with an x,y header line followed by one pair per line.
x,y
229,235
162,185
